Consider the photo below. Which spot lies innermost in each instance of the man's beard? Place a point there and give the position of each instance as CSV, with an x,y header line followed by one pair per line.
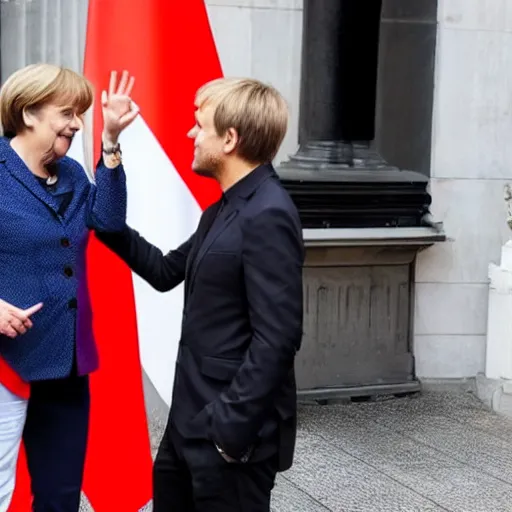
x,y
207,167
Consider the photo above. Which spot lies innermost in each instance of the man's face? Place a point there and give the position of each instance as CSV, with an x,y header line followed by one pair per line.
x,y
209,151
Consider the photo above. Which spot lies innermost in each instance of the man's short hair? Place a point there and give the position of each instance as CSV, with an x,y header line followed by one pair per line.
x,y
257,111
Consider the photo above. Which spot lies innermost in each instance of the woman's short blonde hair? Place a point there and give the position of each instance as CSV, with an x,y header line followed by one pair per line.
x,y
257,112
35,85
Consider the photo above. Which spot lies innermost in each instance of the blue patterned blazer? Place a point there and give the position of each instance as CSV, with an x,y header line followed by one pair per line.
x,y
42,259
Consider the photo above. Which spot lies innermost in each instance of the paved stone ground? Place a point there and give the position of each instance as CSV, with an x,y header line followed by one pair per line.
x,y
436,452
441,451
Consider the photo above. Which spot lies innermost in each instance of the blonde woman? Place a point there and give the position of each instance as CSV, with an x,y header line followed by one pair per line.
x,y
47,207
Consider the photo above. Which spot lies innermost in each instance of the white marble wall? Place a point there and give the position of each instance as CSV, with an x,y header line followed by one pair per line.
x,y
262,39
471,162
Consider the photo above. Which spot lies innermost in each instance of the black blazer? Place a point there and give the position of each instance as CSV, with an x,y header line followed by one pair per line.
x,y
242,319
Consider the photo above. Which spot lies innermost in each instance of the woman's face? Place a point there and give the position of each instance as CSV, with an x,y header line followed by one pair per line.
x,y
54,127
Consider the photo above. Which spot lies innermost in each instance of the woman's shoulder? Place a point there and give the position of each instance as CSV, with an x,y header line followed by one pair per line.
x,y
5,148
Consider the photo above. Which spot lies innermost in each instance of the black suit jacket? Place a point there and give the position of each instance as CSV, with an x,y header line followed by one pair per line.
x,y
242,319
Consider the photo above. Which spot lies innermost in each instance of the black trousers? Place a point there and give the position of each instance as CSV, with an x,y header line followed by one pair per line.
x,y
191,476
55,439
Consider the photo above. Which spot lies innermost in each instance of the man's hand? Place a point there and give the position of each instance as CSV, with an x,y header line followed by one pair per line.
x,y
224,455
15,321
245,458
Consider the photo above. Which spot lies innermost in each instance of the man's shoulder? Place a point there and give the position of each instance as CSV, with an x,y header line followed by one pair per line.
x,y
273,198
271,193
274,212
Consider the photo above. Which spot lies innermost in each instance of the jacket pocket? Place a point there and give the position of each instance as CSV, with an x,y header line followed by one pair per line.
x,y
219,368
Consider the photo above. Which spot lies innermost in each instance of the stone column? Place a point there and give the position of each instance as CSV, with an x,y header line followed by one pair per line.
x,y
338,83
333,177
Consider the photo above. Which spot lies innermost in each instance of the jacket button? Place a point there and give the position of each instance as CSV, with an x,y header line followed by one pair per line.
x,y
73,304
64,242
68,271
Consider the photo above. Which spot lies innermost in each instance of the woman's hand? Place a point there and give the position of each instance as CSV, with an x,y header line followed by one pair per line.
x,y
118,108
14,321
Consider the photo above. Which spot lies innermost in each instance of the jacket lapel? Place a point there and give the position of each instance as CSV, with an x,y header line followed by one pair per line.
x,y
212,225
218,225
67,184
205,223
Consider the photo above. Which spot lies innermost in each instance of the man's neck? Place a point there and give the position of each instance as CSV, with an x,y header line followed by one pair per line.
x,y
233,173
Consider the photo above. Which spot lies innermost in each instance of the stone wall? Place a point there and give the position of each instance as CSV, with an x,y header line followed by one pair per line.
x,y
471,162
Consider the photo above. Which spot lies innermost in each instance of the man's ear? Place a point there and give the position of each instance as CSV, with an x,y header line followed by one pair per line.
x,y
231,140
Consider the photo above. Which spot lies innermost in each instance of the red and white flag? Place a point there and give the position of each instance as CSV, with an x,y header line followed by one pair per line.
x,y
169,48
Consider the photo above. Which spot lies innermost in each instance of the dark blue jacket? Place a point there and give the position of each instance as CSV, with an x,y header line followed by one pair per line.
x,y
42,259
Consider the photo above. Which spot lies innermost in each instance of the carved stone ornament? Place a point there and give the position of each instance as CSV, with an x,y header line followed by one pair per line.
x,y
508,200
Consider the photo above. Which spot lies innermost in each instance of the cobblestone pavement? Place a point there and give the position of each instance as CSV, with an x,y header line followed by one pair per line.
x,y
440,451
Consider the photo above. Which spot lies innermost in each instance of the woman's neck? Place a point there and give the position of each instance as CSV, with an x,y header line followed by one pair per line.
x,y
31,155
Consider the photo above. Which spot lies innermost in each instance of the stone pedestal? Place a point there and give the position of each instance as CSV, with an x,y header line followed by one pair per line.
x,y
358,297
498,364
495,386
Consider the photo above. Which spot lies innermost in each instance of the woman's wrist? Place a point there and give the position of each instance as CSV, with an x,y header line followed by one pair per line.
x,y
111,151
112,161
109,140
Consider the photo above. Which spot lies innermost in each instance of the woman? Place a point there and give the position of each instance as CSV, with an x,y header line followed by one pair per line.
x,y
47,207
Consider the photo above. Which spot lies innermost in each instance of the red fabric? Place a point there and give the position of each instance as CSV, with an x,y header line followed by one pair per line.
x,y
168,46
12,381
22,498
152,39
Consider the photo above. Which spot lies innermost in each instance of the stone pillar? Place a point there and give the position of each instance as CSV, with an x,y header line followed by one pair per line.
x,y
336,177
338,82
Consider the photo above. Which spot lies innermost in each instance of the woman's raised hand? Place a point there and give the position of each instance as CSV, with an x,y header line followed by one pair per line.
x,y
119,111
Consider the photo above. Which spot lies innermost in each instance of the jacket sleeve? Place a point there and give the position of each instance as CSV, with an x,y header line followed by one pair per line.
x,y
273,257
107,199
162,272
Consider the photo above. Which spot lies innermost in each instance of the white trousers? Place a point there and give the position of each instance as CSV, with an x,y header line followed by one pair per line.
x,y
13,411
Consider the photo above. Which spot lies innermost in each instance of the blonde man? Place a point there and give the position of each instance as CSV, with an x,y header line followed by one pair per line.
x,y
47,208
232,418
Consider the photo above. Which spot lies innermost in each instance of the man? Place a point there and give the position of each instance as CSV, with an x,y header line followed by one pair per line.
x,y
233,414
